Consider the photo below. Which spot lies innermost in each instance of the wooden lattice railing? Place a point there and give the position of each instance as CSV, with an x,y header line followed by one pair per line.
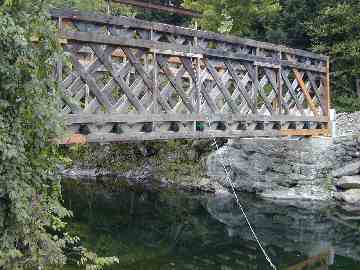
x,y
128,79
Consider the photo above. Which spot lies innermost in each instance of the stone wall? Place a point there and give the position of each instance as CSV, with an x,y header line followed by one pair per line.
x,y
346,174
280,168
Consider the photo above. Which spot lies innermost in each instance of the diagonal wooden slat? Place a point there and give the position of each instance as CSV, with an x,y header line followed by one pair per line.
x,y
315,89
260,90
241,87
305,92
292,92
275,86
90,81
122,84
207,97
94,105
221,87
204,91
175,83
148,82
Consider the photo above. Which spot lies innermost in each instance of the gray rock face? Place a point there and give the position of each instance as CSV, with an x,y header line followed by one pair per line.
x,y
275,167
348,123
287,169
348,182
351,196
349,169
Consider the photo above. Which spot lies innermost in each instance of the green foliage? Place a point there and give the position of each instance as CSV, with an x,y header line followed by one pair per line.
x,y
247,18
92,261
30,196
32,230
336,32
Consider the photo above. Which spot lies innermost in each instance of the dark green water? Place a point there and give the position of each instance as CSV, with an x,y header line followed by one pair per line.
x,y
166,229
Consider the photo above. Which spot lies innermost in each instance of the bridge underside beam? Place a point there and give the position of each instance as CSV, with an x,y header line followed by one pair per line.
x,y
157,136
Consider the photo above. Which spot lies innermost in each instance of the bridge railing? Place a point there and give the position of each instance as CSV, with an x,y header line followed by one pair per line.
x,y
128,79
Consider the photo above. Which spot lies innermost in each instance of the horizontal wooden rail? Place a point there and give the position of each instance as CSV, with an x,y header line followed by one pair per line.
x,y
159,7
74,15
175,49
135,118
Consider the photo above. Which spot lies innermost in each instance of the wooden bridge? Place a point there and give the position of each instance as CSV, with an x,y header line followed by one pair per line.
x,y
126,79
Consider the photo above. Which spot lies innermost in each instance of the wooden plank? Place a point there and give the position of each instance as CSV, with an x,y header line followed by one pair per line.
x,y
209,101
305,132
327,89
305,92
159,7
142,136
73,139
83,118
151,45
176,30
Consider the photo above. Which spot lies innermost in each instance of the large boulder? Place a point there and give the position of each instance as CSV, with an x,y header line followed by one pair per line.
x,y
348,182
291,168
351,197
349,169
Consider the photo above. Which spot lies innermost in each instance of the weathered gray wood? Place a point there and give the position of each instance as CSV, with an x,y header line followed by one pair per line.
x,y
241,87
292,92
158,7
260,90
92,84
275,88
136,23
84,118
141,136
132,72
209,101
175,83
221,87
148,82
122,84
148,44
316,90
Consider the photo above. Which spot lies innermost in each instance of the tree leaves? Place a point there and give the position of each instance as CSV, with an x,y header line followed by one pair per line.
x,y
30,194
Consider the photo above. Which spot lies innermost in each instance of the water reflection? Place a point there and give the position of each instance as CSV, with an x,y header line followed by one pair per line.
x,y
149,229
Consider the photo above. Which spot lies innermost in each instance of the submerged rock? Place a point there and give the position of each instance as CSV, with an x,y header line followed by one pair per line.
x,y
309,228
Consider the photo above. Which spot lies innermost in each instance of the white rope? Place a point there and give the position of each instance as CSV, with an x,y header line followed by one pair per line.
x,y
238,201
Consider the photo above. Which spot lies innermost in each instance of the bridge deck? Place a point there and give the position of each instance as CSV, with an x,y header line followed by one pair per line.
x,y
127,79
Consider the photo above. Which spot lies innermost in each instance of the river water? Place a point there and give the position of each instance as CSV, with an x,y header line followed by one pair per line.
x,y
152,228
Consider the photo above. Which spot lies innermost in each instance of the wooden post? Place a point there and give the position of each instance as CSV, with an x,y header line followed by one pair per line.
x,y
156,85
59,66
358,87
280,83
